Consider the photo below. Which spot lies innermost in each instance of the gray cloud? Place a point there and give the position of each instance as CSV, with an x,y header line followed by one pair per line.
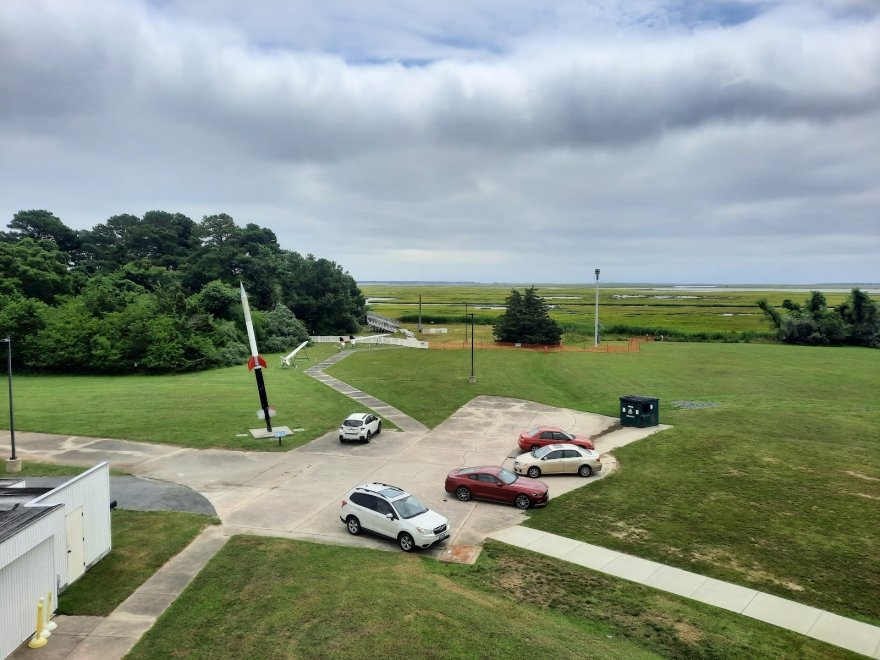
x,y
667,143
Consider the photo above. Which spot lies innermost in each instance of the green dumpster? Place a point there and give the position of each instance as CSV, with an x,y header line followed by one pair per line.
x,y
639,411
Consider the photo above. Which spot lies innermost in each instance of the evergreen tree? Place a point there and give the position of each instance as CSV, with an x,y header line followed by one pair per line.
x,y
527,320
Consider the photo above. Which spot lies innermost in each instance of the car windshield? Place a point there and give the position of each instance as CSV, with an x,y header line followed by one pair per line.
x,y
352,422
409,507
567,435
533,432
506,476
541,452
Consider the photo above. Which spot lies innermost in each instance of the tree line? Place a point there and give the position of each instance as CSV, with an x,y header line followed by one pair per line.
x,y
159,293
856,321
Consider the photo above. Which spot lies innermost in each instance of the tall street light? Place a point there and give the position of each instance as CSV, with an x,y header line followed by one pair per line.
x,y
13,463
472,378
596,336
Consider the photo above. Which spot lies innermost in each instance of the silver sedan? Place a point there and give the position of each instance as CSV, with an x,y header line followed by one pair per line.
x,y
558,459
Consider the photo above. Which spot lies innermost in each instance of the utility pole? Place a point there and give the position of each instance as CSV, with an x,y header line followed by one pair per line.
x,y
473,378
596,336
14,463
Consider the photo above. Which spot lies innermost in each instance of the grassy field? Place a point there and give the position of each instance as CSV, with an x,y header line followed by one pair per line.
x,y
142,542
624,312
775,486
303,600
35,469
207,409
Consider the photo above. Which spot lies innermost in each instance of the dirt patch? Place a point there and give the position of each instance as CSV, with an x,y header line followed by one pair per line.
x,y
687,633
693,405
461,554
754,572
625,531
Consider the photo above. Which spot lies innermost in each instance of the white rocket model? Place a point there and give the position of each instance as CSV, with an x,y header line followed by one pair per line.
x,y
256,361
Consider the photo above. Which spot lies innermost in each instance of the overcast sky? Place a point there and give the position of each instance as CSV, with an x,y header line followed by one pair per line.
x,y
494,141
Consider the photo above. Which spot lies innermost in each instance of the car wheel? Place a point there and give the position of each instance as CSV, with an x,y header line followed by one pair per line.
x,y
534,447
354,525
406,542
463,494
585,470
534,472
341,439
522,502
369,435
379,428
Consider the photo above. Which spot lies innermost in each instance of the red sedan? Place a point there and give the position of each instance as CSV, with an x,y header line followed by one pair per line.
x,y
497,484
551,435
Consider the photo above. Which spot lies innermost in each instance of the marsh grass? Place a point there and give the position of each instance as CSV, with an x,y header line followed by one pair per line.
x,y
710,315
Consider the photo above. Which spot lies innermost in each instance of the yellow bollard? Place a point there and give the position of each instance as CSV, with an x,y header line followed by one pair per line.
x,y
50,625
38,641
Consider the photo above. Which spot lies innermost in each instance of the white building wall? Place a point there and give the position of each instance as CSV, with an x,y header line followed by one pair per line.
x,y
91,491
28,572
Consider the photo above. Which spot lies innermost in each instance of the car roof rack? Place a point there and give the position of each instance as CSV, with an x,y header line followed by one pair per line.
x,y
379,483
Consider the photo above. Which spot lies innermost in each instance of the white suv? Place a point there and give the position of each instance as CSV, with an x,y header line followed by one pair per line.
x,y
359,426
391,511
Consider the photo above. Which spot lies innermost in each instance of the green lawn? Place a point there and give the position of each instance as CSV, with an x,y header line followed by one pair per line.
x,y
34,469
142,542
206,409
303,600
776,487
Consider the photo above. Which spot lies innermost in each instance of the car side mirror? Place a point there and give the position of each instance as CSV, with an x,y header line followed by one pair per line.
x,y
390,516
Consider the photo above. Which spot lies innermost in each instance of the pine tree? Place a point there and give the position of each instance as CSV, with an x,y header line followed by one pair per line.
x,y
527,320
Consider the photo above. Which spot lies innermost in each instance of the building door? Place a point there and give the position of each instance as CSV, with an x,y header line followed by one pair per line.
x,y
76,565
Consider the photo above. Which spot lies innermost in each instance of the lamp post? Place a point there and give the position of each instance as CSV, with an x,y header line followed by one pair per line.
x,y
596,335
472,378
13,464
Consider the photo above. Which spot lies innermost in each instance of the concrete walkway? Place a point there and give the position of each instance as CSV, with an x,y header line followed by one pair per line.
x,y
400,419
111,637
818,624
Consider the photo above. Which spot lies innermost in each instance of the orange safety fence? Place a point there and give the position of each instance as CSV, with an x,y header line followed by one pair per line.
x,y
630,347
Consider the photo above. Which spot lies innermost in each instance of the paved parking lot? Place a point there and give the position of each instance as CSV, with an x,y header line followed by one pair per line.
x,y
296,494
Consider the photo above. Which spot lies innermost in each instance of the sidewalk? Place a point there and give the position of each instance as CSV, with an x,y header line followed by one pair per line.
x,y
818,624
111,637
400,419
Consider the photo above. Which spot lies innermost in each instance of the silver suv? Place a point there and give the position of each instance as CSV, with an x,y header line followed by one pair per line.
x,y
391,511
359,426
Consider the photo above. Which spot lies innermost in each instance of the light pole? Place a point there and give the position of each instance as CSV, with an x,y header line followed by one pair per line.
x,y
13,464
596,336
472,378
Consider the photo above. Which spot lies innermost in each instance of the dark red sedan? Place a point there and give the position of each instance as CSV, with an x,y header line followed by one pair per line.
x,y
551,435
496,484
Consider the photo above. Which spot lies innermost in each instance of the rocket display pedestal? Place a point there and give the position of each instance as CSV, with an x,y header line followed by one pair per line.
x,y
262,433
